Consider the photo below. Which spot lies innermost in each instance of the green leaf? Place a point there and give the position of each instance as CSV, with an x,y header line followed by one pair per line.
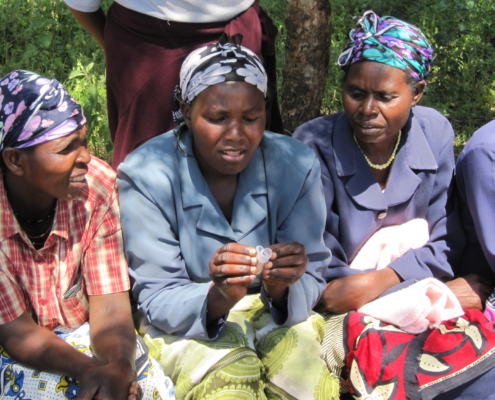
x,y
108,147
75,73
443,38
45,39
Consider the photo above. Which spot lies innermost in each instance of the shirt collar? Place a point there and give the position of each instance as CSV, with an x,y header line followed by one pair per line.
x,y
347,153
9,226
61,222
417,148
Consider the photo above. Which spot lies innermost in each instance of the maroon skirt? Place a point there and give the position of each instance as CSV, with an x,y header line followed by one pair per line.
x,y
144,56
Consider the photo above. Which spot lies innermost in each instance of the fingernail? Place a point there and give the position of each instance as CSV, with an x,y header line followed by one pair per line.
x,y
254,270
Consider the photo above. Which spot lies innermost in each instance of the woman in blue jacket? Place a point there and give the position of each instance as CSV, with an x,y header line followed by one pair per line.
x,y
476,193
195,204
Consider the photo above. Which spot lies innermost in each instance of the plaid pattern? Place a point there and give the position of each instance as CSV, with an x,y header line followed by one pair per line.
x,y
82,256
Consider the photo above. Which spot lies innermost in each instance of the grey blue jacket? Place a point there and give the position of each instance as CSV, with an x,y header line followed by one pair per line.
x,y
172,226
420,185
475,175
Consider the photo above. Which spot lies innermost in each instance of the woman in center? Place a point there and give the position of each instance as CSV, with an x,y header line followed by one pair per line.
x,y
196,202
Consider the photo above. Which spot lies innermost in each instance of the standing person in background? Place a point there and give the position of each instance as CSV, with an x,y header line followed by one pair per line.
x,y
146,41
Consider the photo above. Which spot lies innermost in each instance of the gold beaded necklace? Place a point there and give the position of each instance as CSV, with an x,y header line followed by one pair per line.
x,y
387,164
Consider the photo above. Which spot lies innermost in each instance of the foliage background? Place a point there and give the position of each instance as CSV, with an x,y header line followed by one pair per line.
x,y
42,36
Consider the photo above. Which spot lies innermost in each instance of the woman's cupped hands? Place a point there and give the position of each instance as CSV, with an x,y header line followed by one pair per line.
x,y
233,268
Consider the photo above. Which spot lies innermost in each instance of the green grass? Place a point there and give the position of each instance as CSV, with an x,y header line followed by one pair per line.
x,y
42,36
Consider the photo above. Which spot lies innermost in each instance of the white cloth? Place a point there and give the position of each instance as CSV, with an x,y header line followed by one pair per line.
x,y
192,11
416,308
390,243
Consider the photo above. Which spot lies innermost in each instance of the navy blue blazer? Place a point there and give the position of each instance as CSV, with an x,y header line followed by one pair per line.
x,y
420,185
475,175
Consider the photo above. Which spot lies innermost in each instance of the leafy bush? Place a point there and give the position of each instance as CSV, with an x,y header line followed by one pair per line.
x,y
42,35
462,32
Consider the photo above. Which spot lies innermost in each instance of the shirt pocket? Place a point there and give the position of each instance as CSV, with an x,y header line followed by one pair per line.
x,y
75,288
76,308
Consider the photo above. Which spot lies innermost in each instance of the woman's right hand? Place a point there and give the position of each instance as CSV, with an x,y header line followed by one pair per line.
x,y
115,380
471,290
40,349
232,269
352,292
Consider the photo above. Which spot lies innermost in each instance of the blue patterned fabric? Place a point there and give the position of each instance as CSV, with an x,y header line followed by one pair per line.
x,y
20,382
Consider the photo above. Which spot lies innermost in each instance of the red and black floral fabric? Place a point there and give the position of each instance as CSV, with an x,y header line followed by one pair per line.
x,y
384,362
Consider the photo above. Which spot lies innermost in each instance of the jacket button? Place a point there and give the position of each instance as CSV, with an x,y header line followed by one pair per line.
x,y
382,215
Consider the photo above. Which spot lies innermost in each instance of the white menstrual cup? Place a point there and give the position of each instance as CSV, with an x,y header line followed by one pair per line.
x,y
263,255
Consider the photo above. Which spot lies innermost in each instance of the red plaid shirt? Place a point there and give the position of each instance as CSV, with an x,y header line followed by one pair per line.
x,y
84,253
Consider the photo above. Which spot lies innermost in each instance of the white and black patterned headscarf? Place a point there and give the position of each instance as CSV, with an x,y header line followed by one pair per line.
x,y
215,63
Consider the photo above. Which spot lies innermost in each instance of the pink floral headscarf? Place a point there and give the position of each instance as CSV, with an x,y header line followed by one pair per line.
x,y
34,109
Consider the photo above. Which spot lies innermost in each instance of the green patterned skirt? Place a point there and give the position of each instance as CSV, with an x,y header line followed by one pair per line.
x,y
253,359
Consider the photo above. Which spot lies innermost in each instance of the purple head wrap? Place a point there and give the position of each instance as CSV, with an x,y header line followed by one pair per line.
x,y
34,110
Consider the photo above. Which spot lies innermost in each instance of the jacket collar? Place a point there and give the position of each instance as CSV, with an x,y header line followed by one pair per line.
x,y
414,154
247,213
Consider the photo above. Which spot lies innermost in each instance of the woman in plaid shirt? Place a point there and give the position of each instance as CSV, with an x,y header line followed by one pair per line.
x,y
61,258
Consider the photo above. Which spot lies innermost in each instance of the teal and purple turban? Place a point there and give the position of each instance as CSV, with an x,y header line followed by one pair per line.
x,y
389,41
34,110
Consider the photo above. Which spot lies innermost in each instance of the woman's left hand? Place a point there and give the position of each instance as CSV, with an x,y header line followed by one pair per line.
x,y
286,266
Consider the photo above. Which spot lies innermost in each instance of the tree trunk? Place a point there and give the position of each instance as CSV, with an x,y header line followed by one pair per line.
x,y
307,55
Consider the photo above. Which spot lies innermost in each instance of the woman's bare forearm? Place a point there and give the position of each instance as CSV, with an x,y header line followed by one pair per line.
x,y
218,305
352,292
40,349
112,331
93,22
